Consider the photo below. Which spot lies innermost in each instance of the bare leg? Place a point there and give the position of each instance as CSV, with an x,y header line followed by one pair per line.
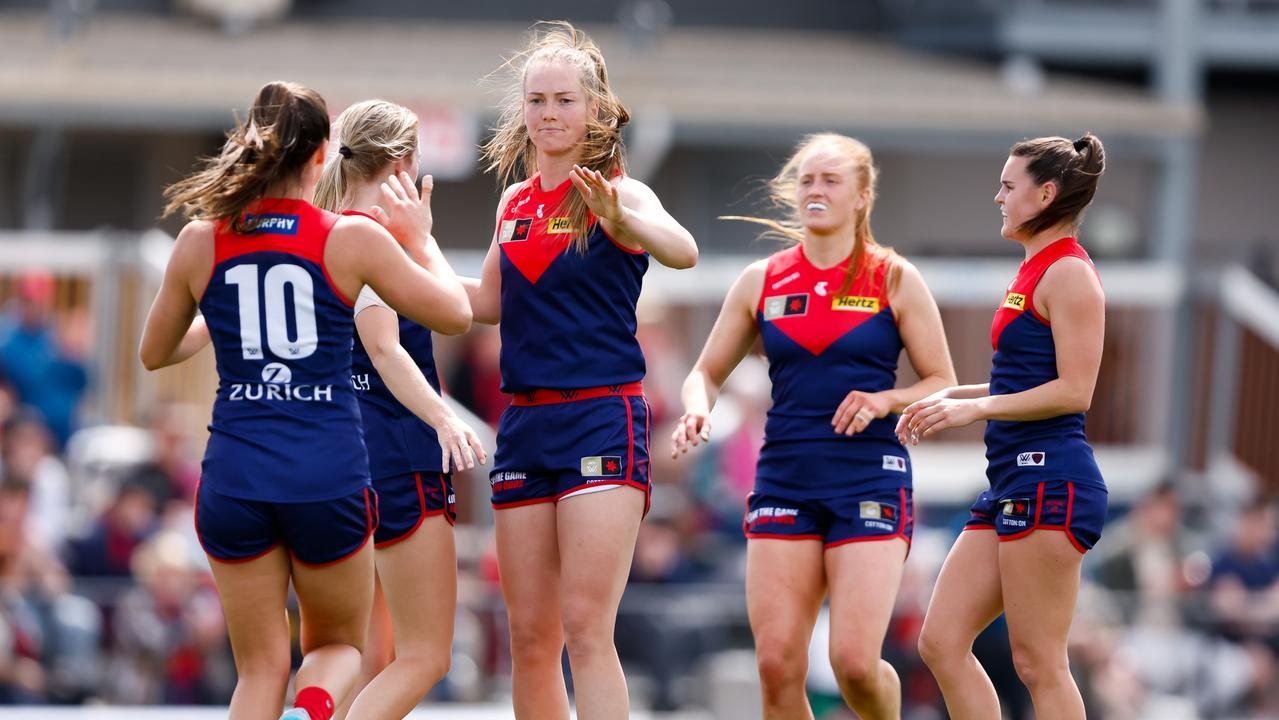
x,y
529,563
419,576
1041,584
597,541
253,595
965,600
859,615
785,584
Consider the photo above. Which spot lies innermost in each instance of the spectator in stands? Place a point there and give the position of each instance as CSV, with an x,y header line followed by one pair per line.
x,y
1143,560
172,474
27,454
1245,578
652,630
107,549
170,644
44,371
48,637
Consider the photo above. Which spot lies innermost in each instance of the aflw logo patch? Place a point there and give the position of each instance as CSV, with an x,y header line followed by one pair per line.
x,y
515,230
601,466
1015,301
785,306
895,462
559,226
1031,459
855,304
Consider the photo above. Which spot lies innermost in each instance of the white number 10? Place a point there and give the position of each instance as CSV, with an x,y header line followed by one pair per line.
x,y
245,277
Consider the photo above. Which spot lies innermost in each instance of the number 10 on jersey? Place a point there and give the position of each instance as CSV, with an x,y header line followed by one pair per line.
x,y
301,292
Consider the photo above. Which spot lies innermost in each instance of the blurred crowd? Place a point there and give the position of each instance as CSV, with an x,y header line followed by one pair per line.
x,y
105,594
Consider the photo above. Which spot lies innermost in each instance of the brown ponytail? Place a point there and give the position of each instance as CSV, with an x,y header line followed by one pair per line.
x,y
287,124
1075,166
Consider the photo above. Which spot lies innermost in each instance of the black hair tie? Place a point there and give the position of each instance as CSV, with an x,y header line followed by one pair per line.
x,y
345,152
1079,144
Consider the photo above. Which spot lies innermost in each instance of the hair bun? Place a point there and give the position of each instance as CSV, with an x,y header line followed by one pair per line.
x,y
1081,144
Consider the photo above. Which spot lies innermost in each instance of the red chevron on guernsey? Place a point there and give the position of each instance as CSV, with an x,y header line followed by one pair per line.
x,y
527,240
811,311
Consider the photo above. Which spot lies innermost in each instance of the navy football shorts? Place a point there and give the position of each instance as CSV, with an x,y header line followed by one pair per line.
x,y
315,533
1077,510
553,444
855,517
405,501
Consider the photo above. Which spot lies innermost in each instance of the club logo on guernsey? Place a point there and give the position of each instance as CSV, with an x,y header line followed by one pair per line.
x,y
1015,301
601,466
1031,459
559,226
785,306
515,230
275,224
854,303
276,386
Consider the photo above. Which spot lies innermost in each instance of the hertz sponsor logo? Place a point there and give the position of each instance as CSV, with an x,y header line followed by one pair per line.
x,y
1015,301
559,226
855,303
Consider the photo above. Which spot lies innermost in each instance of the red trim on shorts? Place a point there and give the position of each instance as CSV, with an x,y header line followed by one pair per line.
x,y
901,528
630,441
1070,509
977,527
522,503
444,493
545,396
368,523
1039,501
648,448
771,536
872,538
421,516
195,515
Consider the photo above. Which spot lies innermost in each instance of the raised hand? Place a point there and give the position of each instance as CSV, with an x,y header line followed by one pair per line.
x,y
601,195
404,211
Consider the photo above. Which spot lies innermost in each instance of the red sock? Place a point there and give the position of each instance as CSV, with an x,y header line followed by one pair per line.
x,y
316,701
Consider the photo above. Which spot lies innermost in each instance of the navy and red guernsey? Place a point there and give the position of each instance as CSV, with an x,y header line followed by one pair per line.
x,y
568,318
822,342
1021,454
285,422
398,441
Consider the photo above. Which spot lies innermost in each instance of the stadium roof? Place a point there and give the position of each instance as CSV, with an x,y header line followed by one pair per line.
x,y
712,85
